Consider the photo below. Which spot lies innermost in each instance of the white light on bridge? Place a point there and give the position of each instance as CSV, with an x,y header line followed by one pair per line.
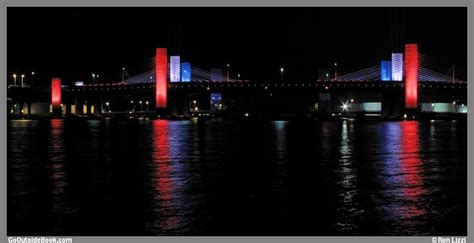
x,y
175,69
397,66
344,107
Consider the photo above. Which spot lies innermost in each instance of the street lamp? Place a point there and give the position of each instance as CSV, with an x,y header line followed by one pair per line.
x,y
32,78
281,73
141,106
146,102
123,74
97,78
14,78
335,71
107,104
22,77
93,78
228,71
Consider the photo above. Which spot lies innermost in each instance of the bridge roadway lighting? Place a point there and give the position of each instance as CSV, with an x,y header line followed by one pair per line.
x,y
14,78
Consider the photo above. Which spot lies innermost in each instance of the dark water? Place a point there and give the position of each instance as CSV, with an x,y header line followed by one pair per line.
x,y
158,177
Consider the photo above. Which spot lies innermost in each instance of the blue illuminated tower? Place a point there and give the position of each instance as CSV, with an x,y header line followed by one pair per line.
x,y
186,72
385,70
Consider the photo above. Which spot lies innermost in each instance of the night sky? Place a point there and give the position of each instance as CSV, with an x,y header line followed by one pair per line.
x,y
74,42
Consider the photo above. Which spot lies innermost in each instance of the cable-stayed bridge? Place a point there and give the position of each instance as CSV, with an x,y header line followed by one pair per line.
x,y
404,84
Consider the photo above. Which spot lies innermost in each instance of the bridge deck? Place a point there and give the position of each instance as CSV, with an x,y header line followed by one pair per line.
x,y
318,85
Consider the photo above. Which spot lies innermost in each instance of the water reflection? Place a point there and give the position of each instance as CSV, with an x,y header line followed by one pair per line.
x,y
347,180
194,178
401,173
280,151
58,176
411,168
169,156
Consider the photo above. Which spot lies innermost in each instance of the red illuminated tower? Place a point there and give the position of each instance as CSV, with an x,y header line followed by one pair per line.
x,y
161,77
56,96
411,76
56,92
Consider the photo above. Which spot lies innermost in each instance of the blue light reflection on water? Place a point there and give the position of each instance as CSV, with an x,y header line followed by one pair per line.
x,y
158,177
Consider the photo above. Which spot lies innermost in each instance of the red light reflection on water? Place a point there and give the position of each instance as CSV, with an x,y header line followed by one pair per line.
x,y
164,185
410,168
